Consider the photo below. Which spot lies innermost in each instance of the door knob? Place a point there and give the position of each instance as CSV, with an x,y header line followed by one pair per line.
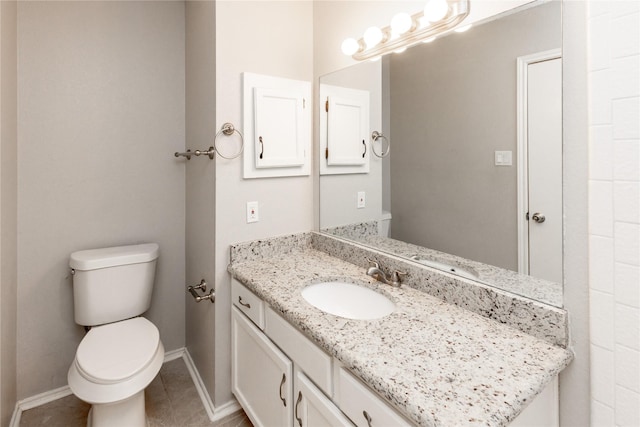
x,y
538,217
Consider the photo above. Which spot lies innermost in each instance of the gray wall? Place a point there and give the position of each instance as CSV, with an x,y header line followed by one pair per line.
x,y
453,103
200,190
272,38
100,113
8,210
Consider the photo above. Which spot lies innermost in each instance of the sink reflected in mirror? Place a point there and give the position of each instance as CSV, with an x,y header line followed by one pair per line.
x,y
446,267
348,300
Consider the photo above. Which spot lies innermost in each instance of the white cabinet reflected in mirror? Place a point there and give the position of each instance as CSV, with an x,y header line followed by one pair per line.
x,y
473,182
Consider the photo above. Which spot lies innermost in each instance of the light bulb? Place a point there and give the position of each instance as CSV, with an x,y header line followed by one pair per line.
x,y
350,46
372,36
401,23
462,29
435,10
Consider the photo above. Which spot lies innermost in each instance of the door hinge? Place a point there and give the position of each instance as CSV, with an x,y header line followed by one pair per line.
x,y
527,216
326,105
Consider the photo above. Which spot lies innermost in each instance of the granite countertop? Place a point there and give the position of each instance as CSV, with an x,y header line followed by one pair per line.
x,y
438,364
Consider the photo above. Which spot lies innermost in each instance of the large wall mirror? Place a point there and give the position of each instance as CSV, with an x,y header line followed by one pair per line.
x,y
472,183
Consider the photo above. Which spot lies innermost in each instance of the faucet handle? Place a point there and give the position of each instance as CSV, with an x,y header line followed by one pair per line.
x,y
398,276
373,261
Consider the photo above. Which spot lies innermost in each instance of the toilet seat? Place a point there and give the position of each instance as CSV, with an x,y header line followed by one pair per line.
x,y
112,353
115,361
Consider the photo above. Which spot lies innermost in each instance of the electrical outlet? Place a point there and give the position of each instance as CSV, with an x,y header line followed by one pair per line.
x,y
361,200
252,212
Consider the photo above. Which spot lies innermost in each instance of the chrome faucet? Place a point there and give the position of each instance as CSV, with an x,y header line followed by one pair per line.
x,y
394,279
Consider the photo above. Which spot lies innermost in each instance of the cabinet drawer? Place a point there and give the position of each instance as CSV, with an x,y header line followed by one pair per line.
x,y
314,362
248,303
363,406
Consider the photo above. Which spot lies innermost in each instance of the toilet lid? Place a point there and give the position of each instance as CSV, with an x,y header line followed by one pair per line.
x,y
117,351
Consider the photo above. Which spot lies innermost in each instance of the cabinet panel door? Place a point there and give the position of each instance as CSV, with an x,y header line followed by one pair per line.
x,y
313,408
262,375
344,130
307,356
348,122
279,130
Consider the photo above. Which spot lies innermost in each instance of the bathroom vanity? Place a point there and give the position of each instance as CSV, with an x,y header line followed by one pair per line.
x,y
427,363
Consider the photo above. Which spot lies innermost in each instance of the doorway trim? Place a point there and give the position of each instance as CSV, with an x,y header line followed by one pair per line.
x,y
522,151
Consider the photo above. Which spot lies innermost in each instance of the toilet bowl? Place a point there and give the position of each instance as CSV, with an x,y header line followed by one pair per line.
x,y
114,363
121,353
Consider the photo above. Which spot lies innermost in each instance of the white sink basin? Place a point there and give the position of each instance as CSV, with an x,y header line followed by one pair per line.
x,y
348,300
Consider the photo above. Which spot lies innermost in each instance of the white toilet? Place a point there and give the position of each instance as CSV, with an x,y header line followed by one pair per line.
x,y
121,354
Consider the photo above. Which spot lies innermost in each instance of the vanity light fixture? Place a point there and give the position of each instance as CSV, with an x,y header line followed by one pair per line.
x,y
406,30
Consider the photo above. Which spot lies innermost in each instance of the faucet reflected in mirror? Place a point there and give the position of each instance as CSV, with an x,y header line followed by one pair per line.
x,y
451,185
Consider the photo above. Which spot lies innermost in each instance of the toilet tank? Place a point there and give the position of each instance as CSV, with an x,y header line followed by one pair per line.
x,y
112,284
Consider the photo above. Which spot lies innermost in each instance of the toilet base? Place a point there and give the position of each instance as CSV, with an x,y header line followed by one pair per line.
x,y
129,412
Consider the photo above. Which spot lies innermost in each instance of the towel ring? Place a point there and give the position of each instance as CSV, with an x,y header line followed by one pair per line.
x,y
375,135
228,129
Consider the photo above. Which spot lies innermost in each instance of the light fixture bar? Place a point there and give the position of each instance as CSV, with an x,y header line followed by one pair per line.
x,y
458,11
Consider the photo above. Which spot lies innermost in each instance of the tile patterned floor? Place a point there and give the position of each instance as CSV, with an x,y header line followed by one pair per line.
x,y
171,401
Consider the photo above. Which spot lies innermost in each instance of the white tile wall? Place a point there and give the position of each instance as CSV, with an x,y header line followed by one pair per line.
x,y
614,211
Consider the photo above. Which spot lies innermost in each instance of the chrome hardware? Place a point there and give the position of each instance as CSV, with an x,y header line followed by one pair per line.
x,y
296,409
244,304
375,135
367,417
284,378
210,152
538,217
228,129
193,290
394,279
397,276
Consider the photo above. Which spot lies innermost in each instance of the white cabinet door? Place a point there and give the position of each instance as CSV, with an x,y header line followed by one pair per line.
x,y
313,408
277,122
262,375
279,128
344,130
543,411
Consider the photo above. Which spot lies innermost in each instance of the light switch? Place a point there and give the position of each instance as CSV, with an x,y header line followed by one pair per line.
x,y
361,200
503,158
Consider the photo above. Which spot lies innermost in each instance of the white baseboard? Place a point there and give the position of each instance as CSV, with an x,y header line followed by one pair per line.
x,y
214,413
